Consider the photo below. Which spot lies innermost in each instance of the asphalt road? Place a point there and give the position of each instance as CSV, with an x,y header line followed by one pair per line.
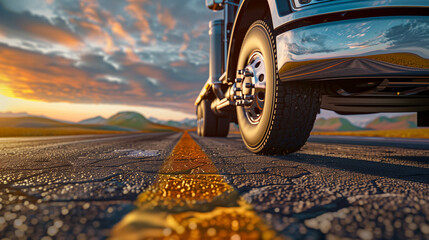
x,y
164,186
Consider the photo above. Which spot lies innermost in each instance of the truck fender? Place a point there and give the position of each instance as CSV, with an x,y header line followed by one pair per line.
x,y
247,14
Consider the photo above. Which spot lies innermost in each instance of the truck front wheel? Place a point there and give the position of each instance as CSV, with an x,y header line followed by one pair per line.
x,y
274,117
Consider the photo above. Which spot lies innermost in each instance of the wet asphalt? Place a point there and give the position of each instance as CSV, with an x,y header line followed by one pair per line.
x,y
80,187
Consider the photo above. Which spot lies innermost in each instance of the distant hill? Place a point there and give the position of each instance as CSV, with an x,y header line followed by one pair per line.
x,y
95,120
12,114
136,121
39,126
40,122
400,122
335,124
129,119
29,122
185,123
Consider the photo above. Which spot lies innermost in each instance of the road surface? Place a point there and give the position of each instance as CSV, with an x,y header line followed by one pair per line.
x,y
181,186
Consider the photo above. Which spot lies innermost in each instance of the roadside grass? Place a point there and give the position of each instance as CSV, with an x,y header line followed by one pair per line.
x,y
33,132
405,133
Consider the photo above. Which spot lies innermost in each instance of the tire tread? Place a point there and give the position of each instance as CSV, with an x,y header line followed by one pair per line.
x,y
288,134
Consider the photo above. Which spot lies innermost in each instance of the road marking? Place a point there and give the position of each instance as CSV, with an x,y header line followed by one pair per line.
x,y
190,200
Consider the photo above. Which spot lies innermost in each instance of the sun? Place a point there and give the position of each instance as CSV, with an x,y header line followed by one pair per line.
x,y
6,97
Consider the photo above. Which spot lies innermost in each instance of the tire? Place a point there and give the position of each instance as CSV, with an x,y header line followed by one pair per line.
x,y
199,119
209,125
222,127
289,109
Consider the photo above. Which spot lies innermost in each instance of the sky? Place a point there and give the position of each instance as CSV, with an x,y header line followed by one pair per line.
x,y
72,59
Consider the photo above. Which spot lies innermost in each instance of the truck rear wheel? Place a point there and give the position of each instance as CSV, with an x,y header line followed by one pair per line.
x,y
274,117
208,124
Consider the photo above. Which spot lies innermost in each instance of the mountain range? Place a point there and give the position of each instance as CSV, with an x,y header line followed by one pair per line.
x,y
335,124
185,123
400,122
133,121
379,123
26,125
129,120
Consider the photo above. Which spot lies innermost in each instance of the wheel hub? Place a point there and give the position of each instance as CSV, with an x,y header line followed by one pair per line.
x,y
249,88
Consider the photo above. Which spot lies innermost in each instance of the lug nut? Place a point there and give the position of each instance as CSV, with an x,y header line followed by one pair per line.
x,y
250,85
249,97
248,73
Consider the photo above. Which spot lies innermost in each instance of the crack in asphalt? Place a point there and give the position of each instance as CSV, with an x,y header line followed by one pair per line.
x,y
122,164
292,177
245,189
104,179
37,169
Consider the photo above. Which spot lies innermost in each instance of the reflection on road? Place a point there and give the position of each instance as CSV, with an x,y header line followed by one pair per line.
x,y
191,201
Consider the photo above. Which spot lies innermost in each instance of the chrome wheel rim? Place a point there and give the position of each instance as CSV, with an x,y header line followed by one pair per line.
x,y
254,86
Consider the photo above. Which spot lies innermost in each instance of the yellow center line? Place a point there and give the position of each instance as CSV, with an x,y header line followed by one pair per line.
x,y
190,200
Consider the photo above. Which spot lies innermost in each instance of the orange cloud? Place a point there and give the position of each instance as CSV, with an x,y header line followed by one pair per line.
x,y
91,30
131,55
158,74
119,31
52,34
199,30
137,12
165,18
89,8
35,76
179,64
185,44
95,33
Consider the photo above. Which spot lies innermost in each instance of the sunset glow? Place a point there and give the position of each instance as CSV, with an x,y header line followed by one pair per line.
x,y
75,112
76,59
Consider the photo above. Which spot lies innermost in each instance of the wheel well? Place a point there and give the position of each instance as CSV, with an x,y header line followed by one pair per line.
x,y
249,12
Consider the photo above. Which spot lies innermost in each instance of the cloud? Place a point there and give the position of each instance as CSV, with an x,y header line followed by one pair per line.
x,y
120,32
140,15
185,44
410,33
89,9
165,18
136,52
29,26
96,35
52,34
